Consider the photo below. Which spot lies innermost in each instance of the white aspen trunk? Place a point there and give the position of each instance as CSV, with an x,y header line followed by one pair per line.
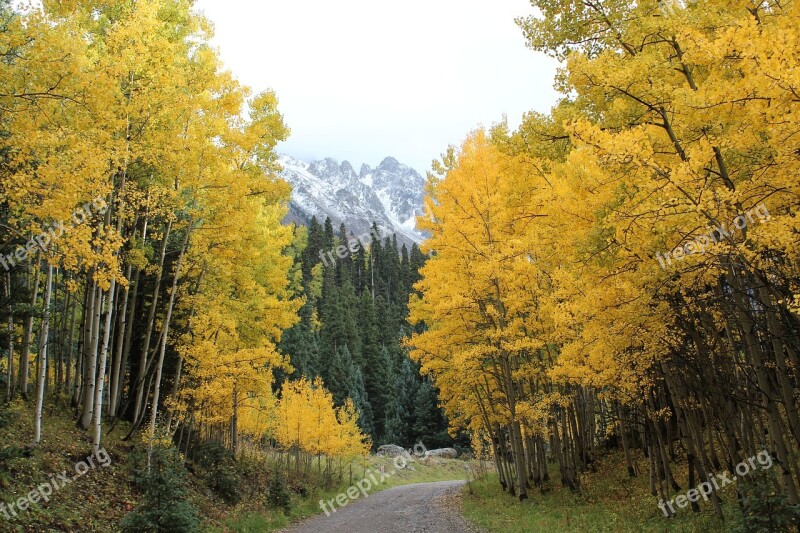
x,y
37,424
117,356
98,399
90,370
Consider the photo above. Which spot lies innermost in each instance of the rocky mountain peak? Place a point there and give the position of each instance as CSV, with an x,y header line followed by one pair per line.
x,y
390,164
390,195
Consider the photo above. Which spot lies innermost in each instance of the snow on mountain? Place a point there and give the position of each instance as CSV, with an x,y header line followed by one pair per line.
x,y
389,195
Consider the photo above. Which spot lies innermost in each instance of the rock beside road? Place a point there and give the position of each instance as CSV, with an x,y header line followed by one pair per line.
x,y
442,453
391,450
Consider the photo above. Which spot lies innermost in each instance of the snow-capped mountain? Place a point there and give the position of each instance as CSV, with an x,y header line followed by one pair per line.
x,y
389,195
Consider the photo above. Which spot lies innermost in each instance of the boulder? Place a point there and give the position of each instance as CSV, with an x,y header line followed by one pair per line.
x,y
442,453
391,450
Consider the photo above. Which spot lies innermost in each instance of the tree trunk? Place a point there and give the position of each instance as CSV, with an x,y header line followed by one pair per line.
x,y
90,358
43,334
98,400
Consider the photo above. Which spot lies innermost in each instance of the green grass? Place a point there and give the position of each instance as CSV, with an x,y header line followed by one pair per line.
x,y
426,471
610,502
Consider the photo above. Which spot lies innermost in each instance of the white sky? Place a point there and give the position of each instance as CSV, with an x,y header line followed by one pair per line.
x,y
359,80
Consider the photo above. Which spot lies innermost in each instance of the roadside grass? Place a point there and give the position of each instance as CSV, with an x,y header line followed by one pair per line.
x,y
426,471
610,502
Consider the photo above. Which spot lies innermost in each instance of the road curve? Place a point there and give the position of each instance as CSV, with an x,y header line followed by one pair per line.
x,y
418,508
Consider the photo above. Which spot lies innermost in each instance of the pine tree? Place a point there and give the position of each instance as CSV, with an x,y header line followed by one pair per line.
x,y
359,274
400,408
344,265
316,245
329,236
377,364
301,343
165,505
361,308
341,375
428,418
396,289
375,263
361,401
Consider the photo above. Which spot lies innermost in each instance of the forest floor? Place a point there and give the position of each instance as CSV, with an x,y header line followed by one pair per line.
x,y
88,502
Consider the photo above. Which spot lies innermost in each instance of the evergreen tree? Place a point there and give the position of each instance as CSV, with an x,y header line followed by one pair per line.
x,y
375,264
311,254
338,322
394,427
341,381
165,505
405,269
329,237
344,265
359,272
301,343
400,409
377,363
397,294
429,421
278,494
416,260
389,329
360,399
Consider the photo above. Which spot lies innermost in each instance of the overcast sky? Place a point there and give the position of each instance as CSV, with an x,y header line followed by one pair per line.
x,y
359,80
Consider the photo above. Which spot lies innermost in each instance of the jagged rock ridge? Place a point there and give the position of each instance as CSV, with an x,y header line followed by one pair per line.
x,y
390,195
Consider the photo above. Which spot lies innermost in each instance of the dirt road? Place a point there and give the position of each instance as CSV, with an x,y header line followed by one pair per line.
x,y
420,508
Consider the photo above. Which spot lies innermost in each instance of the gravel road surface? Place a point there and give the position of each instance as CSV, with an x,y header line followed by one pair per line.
x,y
419,508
